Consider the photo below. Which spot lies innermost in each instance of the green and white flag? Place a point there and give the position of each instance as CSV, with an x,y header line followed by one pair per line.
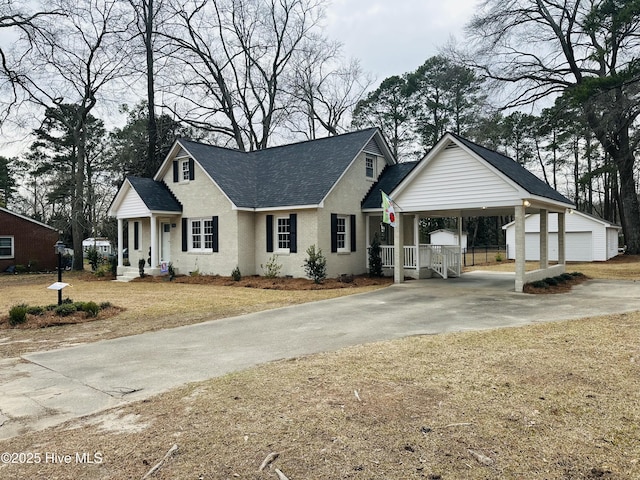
x,y
388,213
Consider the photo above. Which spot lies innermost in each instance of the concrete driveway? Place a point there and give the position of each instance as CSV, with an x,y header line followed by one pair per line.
x,y
47,388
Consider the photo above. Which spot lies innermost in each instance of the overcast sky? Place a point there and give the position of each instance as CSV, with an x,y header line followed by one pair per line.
x,y
389,37
392,37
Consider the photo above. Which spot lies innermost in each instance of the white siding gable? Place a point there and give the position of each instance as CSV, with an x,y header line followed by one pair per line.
x,y
132,206
455,179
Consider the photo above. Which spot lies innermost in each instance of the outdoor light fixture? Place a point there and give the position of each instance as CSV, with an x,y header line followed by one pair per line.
x,y
526,203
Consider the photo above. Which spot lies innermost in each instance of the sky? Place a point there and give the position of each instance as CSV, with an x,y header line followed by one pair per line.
x,y
389,37
392,37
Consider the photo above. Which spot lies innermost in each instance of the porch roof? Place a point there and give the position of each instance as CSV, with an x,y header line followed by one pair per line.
x,y
155,195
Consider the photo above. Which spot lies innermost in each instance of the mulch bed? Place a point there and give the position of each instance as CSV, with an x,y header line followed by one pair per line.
x,y
50,319
279,283
562,287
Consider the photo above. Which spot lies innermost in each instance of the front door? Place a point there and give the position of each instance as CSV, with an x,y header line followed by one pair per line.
x,y
165,243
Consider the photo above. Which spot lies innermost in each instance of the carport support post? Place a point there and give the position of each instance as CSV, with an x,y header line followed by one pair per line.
x,y
561,239
398,250
544,239
520,248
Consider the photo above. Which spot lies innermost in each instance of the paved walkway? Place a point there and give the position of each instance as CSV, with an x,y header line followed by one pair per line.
x,y
47,388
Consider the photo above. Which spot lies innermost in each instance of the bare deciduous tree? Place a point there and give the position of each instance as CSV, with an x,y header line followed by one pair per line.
x,y
586,50
231,58
326,89
74,59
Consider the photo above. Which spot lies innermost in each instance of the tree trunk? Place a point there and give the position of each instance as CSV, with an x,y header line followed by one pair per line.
x,y
77,205
152,129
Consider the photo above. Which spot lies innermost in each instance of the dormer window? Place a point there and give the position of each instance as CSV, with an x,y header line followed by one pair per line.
x,y
370,166
183,170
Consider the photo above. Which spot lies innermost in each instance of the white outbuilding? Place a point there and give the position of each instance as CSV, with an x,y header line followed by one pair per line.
x,y
587,239
448,237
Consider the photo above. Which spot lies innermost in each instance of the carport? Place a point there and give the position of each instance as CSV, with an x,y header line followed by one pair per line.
x,y
459,178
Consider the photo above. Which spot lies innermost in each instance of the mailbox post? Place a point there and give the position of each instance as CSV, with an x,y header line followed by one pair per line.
x,y
59,249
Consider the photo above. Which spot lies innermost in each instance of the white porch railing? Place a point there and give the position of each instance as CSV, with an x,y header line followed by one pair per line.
x,y
443,259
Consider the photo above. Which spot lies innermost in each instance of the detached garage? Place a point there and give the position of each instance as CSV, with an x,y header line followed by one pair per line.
x,y
588,238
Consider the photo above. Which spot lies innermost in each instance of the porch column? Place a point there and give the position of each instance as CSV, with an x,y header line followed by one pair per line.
x,y
154,242
367,239
120,242
561,239
544,239
520,248
416,241
398,249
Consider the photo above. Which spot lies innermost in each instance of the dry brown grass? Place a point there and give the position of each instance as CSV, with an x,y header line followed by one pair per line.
x,y
622,267
550,401
147,306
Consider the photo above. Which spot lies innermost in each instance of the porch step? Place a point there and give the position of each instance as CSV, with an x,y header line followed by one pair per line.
x,y
127,274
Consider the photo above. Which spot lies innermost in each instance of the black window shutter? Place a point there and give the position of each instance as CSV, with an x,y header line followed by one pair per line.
x,y
175,171
334,232
136,235
185,235
352,231
269,233
192,173
293,233
214,221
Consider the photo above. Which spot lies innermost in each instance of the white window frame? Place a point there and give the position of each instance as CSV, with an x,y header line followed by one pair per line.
x,y
203,237
343,235
184,170
11,246
370,159
285,232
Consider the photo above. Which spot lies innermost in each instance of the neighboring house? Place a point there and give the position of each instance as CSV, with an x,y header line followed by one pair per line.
x,y
26,242
447,237
211,209
588,238
102,245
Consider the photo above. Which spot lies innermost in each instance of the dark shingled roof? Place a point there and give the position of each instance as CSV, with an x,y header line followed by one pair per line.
x,y
156,196
515,172
297,174
389,179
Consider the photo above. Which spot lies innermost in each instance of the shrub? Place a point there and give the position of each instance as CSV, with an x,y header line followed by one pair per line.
x,y
66,309
104,305
567,276
141,263
79,306
236,274
375,258
104,270
94,258
113,264
36,310
499,257
172,271
272,268
315,265
91,309
540,284
18,314
551,281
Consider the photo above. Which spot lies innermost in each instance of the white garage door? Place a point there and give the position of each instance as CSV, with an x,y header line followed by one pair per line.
x,y
578,247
